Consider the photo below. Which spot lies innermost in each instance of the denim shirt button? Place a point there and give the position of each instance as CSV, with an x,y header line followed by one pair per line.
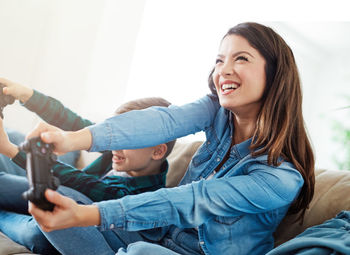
x,y
201,243
111,226
218,159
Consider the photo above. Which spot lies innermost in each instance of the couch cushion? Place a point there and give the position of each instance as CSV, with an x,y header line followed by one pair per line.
x,y
7,246
332,195
179,159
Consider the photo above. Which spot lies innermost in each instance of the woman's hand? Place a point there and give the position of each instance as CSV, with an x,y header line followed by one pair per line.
x,y
51,134
16,90
6,147
67,213
63,141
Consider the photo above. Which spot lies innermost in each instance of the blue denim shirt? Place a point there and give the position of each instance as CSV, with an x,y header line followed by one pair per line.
x,y
236,211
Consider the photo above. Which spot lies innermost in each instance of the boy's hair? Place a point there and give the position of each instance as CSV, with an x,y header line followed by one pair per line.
x,y
143,103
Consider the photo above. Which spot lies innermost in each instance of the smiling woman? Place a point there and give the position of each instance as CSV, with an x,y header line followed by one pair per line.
x,y
241,182
91,64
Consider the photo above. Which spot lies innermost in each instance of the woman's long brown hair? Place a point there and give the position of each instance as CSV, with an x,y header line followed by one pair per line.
x,y
280,131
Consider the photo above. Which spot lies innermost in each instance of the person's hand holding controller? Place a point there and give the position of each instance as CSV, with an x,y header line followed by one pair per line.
x,y
63,141
67,213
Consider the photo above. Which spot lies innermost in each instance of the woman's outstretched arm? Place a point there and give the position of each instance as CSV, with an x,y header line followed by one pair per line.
x,y
134,129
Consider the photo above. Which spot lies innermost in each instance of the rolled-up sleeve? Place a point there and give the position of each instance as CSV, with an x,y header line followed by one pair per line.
x,y
152,126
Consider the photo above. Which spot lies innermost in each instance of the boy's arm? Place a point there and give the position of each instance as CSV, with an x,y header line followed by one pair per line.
x,y
54,112
49,109
92,186
88,181
88,184
100,166
6,147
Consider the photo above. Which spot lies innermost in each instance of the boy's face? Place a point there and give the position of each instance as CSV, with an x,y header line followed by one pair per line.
x,y
134,162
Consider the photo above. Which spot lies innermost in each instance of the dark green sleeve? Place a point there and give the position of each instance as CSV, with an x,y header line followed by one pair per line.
x,y
89,182
20,159
53,111
90,185
101,165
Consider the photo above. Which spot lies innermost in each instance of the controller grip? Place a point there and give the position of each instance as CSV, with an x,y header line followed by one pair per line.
x,y
36,194
37,197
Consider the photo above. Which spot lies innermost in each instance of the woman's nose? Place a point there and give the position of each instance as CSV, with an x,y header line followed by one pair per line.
x,y
227,68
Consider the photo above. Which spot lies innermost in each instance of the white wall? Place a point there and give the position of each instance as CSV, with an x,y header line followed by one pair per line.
x,y
323,59
111,59
77,51
177,46
115,50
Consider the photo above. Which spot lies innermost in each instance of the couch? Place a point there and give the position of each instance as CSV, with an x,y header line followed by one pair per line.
x,y
331,196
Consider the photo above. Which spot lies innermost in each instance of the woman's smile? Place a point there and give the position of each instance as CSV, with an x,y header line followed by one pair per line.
x,y
227,87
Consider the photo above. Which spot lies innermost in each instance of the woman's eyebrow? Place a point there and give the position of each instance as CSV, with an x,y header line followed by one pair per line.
x,y
235,54
240,52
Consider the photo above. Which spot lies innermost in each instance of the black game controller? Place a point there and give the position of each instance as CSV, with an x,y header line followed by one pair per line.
x,y
40,160
4,100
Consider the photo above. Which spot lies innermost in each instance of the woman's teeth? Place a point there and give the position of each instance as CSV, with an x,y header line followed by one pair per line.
x,y
229,86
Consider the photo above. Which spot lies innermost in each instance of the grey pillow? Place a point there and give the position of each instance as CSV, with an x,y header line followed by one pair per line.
x,y
7,246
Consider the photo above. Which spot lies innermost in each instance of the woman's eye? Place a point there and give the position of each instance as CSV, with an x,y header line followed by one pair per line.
x,y
218,61
242,58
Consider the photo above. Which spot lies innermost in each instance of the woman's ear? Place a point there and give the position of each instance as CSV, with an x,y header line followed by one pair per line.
x,y
159,151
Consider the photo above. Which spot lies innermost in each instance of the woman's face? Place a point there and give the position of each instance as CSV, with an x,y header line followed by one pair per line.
x,y
239,75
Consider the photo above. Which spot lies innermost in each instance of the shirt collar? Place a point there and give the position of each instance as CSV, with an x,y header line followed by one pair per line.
x,y
243,148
